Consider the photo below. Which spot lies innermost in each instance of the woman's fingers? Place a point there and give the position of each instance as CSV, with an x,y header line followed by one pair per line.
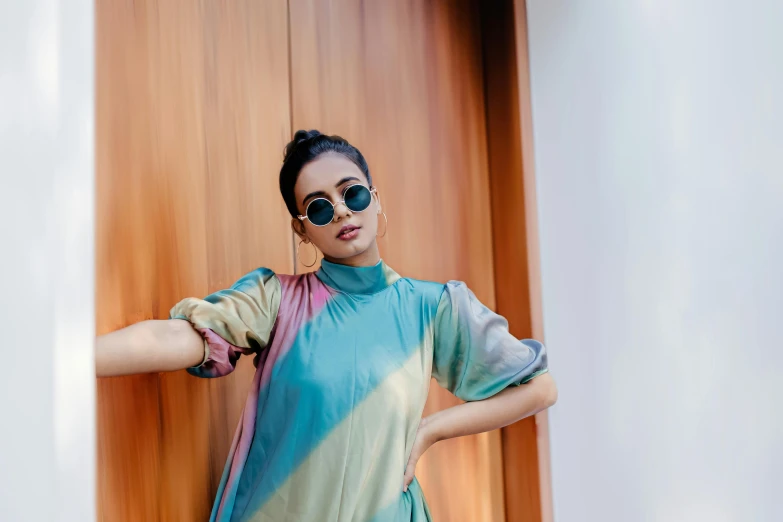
x,y
420,445
410,470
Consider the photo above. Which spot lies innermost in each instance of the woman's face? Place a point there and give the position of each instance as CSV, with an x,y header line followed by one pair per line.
x,y
349,234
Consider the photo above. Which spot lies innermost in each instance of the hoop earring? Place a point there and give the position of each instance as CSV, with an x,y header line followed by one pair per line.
x,y
300,259
386,228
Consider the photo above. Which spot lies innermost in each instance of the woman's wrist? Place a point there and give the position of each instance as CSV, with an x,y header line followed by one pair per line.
x,y
431,428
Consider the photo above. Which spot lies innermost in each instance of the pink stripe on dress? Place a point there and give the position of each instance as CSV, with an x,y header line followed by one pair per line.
x,y
303,297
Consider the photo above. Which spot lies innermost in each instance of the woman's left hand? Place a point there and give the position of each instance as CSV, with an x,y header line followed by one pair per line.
x,y
425,437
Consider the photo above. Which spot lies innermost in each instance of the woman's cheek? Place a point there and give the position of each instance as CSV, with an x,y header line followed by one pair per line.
x,y
324,239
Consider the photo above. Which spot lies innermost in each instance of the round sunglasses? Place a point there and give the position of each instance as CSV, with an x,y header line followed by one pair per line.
x,y
320,211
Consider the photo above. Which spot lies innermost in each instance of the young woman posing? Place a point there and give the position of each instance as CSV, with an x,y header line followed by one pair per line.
x,y
332,427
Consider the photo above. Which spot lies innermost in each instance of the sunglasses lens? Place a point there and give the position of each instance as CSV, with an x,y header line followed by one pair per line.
x,y
320,212
357,198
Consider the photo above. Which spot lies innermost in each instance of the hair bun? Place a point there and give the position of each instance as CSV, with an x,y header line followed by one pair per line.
x,y
299,137
302,135
307,146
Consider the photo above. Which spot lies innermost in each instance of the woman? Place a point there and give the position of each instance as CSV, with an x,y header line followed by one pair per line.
x,y
332,427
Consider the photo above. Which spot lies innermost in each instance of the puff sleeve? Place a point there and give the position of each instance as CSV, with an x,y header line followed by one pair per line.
x,y
475,356
233,322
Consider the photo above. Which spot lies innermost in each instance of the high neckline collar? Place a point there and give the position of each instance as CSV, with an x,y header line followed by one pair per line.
x,y
357,280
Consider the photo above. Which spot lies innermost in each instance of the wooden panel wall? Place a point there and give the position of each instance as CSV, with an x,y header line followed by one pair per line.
x,y
192,116
403,82
512,181
195,104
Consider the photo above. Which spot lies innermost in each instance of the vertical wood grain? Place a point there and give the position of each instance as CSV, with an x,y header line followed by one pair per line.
x,y
193,110
403,82
512,180
192,116
534,253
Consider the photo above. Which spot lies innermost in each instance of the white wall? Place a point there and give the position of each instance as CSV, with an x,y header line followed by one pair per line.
x,y
47,398
658,128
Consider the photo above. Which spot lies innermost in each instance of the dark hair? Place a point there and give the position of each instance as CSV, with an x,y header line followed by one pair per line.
x,y
306,147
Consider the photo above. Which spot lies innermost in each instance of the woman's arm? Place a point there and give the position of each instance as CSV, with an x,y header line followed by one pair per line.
x,y
147,347
509,406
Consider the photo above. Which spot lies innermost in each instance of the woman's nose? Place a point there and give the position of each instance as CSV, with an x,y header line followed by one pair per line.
x,y
341,211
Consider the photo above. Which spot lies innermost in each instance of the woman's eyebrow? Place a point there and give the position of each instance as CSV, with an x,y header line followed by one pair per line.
x,y
346,179
318,193
313,195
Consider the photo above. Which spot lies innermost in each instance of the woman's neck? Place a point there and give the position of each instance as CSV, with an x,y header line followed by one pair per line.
x,y
369,257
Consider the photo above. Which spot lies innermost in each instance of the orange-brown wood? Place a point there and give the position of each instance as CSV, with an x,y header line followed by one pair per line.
x,y
403,82
194,105
512,182
533,251
192,116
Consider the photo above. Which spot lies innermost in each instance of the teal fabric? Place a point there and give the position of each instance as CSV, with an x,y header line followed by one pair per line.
x,y
344,361
475,355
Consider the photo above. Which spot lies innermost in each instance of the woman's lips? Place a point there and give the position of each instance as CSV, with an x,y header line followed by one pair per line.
x,y
348,232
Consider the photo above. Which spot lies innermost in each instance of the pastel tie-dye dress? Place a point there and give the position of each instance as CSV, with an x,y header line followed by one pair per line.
x,y
344,358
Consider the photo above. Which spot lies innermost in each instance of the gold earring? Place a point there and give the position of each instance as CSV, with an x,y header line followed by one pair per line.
x,y
300,259
386,228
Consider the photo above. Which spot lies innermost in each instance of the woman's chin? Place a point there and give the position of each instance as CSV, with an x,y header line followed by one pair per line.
x,y
347,249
